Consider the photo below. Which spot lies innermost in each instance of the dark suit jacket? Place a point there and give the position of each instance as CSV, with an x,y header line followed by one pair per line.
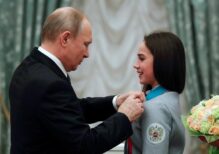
x,y
48,118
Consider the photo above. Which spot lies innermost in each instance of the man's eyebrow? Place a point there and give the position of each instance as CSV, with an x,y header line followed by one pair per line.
x,y
88,43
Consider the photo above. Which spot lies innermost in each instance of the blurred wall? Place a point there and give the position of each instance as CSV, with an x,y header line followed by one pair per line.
x,y
118,28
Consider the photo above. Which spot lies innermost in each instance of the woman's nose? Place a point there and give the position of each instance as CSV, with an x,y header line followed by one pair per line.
x,y
136,65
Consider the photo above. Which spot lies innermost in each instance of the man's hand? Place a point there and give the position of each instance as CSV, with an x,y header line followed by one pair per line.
x,y
121,98
132,107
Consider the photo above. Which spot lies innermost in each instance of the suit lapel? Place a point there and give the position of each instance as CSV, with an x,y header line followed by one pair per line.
x,y
36,54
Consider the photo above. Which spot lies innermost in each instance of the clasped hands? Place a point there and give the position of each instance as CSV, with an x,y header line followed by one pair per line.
x,y
131,104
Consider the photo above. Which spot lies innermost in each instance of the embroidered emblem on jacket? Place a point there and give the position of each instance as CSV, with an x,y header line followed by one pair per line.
x,y
155,133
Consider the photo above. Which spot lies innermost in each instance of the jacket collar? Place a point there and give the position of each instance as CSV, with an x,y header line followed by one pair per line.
x,y
36,54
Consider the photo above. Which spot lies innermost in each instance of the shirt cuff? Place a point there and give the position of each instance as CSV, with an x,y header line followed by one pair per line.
x,y
114,102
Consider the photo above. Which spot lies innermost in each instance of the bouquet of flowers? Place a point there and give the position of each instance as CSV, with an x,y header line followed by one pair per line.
x,y
203,121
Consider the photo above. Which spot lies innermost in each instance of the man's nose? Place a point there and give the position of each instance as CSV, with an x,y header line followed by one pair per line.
x,y
86,53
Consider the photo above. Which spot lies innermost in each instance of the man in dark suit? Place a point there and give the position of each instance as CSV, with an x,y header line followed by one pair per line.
x,y
46,115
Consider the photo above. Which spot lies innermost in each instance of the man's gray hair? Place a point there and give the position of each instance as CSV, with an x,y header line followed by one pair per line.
x,y
62,19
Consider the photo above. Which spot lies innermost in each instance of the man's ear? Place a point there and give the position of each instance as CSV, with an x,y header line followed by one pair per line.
x,y
64,37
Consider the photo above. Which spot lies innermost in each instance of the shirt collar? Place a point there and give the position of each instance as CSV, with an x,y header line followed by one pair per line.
x,y
156,91
54,59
